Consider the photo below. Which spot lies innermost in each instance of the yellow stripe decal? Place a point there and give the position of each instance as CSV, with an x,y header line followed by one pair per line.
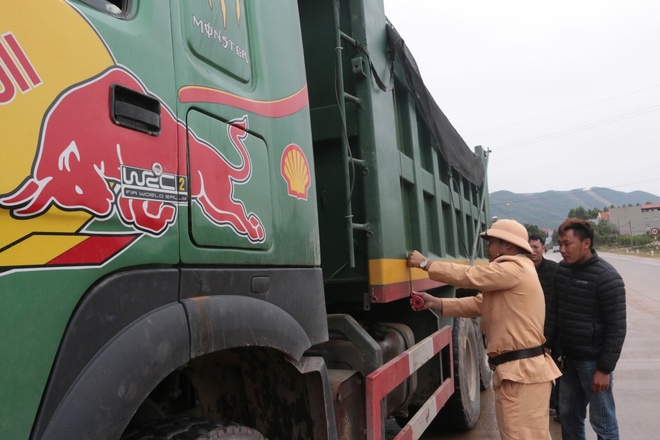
x,y
39,249
386,271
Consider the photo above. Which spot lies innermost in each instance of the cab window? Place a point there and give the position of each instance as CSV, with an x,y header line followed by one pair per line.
x,y
118,8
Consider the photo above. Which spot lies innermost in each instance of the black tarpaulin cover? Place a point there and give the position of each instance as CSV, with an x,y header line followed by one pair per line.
x,y
451,145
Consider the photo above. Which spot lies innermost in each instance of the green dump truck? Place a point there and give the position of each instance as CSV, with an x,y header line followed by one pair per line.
x,y
205,211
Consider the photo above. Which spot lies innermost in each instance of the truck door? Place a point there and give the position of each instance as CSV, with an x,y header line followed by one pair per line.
x,y
222,152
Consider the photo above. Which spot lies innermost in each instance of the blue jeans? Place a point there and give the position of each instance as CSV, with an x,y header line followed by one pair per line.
x,y
554,396
574,396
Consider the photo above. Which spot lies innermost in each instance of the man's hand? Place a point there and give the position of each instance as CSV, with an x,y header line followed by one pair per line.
x,y
601,382
430,302
415,259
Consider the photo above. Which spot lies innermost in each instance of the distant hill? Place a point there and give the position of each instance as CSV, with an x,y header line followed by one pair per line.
x,y
548,209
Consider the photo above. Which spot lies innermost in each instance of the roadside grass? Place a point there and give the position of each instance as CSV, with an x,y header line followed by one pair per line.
x,y
640,251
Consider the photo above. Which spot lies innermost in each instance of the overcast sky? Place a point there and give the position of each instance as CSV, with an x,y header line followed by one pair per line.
x,y
565,94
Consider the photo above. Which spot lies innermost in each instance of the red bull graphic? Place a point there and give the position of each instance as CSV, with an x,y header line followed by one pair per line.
x,y
88,163
69,159
295,171
81,154
213,182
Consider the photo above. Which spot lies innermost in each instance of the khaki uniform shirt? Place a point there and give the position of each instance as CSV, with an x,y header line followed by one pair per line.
x,y
512,310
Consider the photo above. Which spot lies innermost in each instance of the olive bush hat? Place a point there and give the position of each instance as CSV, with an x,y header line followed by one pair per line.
x,y
511,231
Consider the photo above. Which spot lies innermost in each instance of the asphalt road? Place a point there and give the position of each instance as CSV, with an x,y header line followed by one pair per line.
x,y
637,376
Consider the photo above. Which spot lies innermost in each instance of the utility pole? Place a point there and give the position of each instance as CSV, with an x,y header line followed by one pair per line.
x,y
631,240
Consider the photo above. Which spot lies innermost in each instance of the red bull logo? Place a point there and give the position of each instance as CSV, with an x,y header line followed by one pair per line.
x,y
213,180
85,162
67,167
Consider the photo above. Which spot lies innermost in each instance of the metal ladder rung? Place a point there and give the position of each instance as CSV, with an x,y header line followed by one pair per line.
x,y
348,38
352,98
347,159
359,162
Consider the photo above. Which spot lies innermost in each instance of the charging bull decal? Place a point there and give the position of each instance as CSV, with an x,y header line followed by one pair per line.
x,y
213,181
86,162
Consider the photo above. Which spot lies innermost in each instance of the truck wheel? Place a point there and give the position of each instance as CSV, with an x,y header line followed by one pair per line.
x,y
192,429
462,409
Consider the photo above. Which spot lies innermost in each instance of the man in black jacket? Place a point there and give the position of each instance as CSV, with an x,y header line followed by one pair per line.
x,y
545,269
587,319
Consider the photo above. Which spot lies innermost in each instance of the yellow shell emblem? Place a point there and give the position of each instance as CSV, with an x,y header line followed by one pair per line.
x,y
295,171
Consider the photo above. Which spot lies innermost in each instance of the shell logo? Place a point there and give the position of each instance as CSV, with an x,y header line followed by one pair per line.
x,y
295,171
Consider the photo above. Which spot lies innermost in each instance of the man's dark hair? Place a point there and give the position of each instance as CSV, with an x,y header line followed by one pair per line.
x,y
535,237
581,228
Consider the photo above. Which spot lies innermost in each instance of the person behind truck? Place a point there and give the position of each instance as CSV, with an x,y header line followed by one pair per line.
x,y
545,269
587,322
512,310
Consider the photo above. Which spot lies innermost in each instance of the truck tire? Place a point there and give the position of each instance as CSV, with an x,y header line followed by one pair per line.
x,y
464,406
192,429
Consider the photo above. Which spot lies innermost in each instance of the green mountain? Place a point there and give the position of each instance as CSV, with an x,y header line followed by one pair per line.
x,y
548,209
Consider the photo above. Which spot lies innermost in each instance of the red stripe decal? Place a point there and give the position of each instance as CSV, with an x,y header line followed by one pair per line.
x,y
22,58
272,109
391,292
13,70
96,249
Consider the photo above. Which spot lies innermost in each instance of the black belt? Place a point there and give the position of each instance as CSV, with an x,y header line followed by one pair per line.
x,y
514,355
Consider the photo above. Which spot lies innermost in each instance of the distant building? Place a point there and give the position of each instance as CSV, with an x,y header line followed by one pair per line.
x,y
635,220
548,235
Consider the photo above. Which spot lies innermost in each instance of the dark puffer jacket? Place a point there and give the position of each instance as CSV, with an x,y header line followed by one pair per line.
x,y
587,315
546,272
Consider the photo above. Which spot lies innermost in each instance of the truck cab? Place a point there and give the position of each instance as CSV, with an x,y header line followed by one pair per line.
x,y
206,208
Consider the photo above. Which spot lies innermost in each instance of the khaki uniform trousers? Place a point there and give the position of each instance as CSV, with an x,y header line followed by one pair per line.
x,y
522,410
